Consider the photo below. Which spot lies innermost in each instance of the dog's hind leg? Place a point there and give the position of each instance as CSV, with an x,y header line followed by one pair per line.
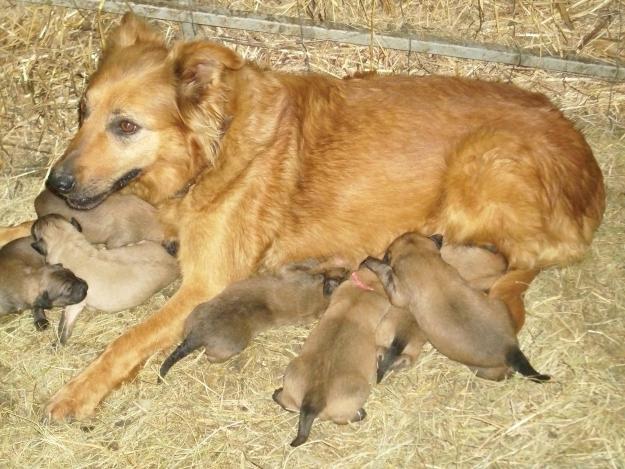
x,y
79,397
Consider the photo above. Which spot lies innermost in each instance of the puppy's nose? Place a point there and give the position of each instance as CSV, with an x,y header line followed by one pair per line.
x,y
61,182
79,290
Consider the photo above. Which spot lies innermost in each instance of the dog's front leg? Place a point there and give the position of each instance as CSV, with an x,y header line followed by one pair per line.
x,y
79,397
10,233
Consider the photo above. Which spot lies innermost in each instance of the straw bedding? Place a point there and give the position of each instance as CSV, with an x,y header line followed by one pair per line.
x,y
434,414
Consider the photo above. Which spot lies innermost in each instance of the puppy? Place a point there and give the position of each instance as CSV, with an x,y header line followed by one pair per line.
x,y
400,339
225,325
118,221
26,282
118,278
332,376
462,323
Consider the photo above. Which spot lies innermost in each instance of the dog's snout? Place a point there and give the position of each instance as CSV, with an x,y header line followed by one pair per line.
x,y
61,182
79,290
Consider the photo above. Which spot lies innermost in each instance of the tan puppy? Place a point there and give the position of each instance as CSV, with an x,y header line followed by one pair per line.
x,y
332,376
225,325
26,281
120,220
118,278
399,337
462,323
480,267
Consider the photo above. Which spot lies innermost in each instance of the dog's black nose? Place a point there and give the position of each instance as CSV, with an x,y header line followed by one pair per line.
x,y
61,182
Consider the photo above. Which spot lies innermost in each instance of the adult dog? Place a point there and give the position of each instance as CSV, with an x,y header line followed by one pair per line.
x,y
251,167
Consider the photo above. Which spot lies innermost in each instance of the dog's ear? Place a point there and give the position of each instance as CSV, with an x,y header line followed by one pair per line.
x,y
388,279
76,224
40,247
438,240
199,65
132,30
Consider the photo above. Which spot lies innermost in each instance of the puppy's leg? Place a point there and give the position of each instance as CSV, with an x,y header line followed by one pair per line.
x,y
83,393
10,233
510,289
68,318
40,319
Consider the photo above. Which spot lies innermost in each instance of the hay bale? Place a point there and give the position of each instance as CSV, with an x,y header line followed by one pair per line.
x,y
434,414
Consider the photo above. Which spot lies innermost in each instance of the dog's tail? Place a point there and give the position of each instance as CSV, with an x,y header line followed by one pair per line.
x,y
390,356
519,362
311,407
187,346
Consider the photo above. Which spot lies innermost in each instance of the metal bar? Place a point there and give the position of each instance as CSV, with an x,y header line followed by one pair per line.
x,y
180,12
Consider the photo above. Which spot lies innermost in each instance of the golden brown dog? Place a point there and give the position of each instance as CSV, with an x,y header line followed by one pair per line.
x,y
332,376
224,326
462,323
252,167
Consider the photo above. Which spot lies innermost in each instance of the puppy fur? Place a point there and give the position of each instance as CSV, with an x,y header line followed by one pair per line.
x,y
120,220
332,377
118,278
26,282
252,167
224,326
462,323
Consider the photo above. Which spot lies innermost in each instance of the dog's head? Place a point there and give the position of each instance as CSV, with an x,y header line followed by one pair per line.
x,y
150,115
59,287
401,258
52,227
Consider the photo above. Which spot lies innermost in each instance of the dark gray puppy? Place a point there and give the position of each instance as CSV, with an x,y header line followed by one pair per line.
x,y
224,326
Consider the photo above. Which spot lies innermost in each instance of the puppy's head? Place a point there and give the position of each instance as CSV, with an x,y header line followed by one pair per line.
x,y
136,118
400,259
52,227
59,287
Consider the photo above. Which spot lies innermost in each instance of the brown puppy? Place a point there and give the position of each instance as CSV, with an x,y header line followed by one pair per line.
x,y
479,267
120,220
118,278
252,167
462,323
225,325
399,337
26,281
332,376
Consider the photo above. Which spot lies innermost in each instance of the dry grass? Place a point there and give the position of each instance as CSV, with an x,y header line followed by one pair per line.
x,y
435,414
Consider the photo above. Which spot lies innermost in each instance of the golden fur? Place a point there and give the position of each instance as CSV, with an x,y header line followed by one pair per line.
x,y
255,168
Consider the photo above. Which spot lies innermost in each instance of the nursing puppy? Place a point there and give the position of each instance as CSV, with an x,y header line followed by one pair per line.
x,y
27,282
399,337
225,325
118,221
460,322
118,278
332,376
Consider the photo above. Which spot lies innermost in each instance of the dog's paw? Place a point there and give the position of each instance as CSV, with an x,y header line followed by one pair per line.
x,y
73,401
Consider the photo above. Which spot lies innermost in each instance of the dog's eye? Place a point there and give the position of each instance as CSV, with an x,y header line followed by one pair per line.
x,y
128,127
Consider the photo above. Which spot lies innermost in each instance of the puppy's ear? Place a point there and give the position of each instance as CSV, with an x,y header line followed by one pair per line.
x,y
438,240
330,284
132,30
40,247
74,222
199,65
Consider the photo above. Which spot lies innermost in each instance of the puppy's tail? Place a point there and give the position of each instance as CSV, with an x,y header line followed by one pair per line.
x,y
519,362
308,412
187,346
390,356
